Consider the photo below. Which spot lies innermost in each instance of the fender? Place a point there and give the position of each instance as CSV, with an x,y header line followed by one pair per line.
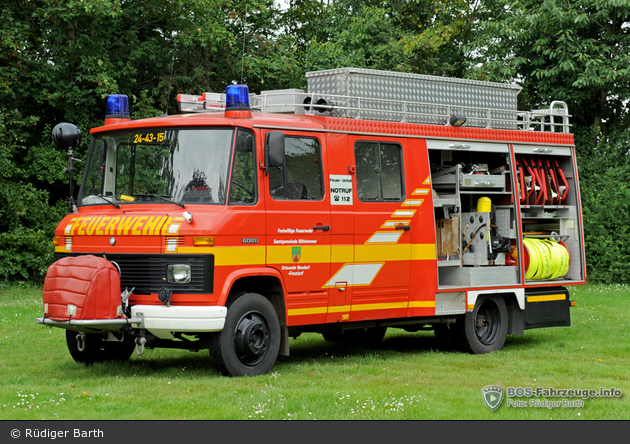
x,y
248,272
472,296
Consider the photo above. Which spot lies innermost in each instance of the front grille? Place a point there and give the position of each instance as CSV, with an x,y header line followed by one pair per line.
x,y
147,272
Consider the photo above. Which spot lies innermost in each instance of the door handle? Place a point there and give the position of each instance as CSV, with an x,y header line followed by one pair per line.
x,y
403,227
322,227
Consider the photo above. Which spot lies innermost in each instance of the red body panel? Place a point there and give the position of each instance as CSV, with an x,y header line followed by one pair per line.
x,y
362,268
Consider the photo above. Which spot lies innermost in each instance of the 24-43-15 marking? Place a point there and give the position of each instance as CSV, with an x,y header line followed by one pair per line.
x,y
148,138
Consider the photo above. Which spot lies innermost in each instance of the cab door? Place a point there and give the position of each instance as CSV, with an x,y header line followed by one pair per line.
x,y
383,224
299,226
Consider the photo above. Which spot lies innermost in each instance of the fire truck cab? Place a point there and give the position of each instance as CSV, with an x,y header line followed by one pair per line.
x,y
373,200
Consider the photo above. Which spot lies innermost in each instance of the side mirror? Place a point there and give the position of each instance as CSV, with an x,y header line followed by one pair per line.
x,y
66,136
274,149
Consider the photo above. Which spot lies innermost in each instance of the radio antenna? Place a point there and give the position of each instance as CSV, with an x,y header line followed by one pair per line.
x,y
243,52
170,83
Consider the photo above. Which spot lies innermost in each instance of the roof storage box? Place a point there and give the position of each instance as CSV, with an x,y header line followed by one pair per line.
x,y
420,98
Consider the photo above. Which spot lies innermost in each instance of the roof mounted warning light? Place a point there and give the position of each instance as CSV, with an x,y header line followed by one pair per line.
x,y
117,110
237,101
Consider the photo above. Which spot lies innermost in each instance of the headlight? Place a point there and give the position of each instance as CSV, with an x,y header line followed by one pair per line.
x,y
178,273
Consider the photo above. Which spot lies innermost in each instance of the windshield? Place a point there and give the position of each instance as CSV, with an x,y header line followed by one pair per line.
x,y
160,166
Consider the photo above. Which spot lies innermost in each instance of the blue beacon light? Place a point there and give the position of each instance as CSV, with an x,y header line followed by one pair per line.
x,y
117,109
237,98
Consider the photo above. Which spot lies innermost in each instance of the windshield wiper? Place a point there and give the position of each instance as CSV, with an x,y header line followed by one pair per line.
x,y
108,201
161,197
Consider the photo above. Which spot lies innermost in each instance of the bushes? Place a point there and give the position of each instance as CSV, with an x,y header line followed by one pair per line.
x,y
606,208
25,255
605,187
27,224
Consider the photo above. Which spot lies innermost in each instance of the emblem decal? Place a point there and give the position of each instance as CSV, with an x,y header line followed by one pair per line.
x,y
492,396
296,253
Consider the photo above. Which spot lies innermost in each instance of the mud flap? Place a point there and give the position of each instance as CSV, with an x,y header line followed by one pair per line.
x,y
547,307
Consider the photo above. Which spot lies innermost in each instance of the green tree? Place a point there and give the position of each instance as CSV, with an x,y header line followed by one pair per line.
x,y
60,59
575,51
578,52
419,36
604,172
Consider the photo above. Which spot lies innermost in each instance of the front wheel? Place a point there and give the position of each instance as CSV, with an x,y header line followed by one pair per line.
x,y
484,330
250,340
93,349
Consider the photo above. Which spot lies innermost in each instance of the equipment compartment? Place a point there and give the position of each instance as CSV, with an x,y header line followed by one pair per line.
x,y
473,185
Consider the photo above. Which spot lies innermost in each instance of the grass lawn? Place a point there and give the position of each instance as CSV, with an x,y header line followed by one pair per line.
x,y
406,377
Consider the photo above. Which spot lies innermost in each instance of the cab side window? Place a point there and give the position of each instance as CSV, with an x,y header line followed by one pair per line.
x,y
243,181
379,171
301,176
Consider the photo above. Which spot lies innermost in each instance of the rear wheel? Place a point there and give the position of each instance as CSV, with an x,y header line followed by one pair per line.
x,y
93,349
250,340
484,330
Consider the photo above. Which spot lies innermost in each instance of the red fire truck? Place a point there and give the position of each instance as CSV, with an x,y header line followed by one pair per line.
x,y
373,200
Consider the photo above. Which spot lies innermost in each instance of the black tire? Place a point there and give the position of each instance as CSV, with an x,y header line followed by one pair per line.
x,y
364,338
117,351
97,350
484,330
249,343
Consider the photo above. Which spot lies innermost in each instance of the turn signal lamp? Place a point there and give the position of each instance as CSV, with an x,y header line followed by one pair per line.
x,y
56,241
203,241
117,109
237,101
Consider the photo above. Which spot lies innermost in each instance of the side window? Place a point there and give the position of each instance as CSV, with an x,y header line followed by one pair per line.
x,y
379,171
301,176
243,182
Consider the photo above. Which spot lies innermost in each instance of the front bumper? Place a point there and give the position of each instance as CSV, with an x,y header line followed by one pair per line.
x,y
90,325
162,321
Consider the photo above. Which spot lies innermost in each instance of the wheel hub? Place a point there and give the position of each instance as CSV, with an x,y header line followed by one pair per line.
x,y
487,323
251,340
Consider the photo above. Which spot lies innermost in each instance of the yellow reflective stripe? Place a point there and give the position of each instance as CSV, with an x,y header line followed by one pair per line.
x,y
342,253
382,306
423,252
226,256
421,304
313,254
309,254
255,255
338,308
307,311
547,297
380,253
360,307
